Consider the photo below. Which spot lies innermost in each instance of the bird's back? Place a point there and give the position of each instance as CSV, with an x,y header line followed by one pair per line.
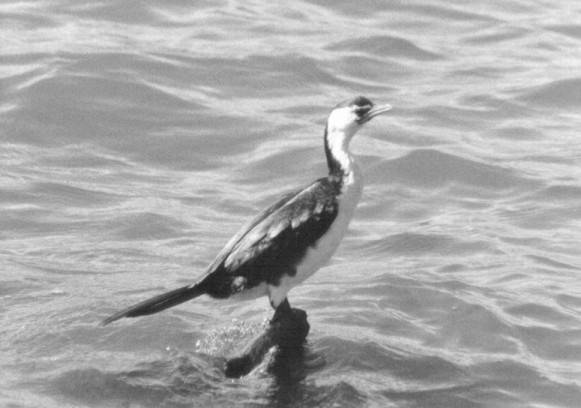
x,y
272,245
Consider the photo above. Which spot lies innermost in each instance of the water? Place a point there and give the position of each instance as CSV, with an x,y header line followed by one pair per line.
x,y
136,137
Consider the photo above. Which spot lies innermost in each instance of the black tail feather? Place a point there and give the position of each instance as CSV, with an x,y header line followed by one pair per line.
x,y
157,303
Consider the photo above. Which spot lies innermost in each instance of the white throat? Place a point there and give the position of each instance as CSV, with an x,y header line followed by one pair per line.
x,y
341,127
338,146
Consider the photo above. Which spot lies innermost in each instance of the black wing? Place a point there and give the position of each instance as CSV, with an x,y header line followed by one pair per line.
x,y
271,244
265,249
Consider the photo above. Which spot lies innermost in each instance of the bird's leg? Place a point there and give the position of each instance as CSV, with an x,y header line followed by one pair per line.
x,y
281,310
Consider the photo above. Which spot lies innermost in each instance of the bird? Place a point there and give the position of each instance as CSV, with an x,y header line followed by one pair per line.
x,y
291,239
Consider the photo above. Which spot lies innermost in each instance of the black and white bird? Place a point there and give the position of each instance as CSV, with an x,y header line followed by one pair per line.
x,y
290,240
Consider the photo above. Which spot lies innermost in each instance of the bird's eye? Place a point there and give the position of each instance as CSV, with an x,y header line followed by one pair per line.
x,y
362,110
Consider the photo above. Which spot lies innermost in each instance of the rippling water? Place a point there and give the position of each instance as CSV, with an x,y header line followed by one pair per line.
x,y
137,136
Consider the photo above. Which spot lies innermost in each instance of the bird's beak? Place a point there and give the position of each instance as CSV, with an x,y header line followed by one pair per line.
x,y
375,111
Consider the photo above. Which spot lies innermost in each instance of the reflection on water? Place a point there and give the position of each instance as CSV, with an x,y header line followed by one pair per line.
x,y
137,137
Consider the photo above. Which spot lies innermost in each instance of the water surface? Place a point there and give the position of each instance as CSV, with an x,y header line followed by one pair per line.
x,y
136,138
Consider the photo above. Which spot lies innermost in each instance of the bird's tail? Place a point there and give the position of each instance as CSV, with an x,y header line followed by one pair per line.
x,y
158,303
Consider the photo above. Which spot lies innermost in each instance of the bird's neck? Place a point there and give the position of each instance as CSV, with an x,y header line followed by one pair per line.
x,y
339,159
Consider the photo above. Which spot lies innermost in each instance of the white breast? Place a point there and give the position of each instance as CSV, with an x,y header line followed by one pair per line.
x,y
319,254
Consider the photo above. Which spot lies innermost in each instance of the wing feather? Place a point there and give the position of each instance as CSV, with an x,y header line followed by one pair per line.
x,y
274,241
248,229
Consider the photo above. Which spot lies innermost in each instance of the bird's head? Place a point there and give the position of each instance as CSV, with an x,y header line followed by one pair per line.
x,y
349,116
344,121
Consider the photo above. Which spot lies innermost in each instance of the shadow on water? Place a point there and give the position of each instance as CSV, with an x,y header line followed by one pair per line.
x,y
194,379
291,388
